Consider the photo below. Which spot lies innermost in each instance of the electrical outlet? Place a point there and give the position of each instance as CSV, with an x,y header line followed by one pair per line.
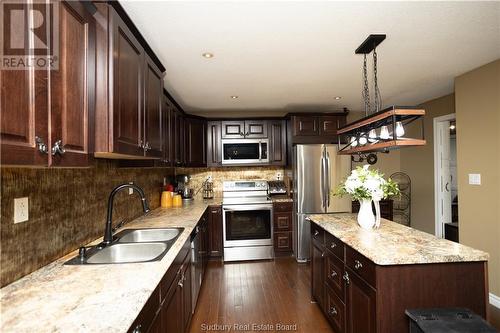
x,y
474,179
278,176
21,210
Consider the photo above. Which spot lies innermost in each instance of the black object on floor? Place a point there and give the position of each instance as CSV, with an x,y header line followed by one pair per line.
x,y
447,320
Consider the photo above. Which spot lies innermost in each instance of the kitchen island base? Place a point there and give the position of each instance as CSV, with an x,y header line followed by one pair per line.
x,y
358,295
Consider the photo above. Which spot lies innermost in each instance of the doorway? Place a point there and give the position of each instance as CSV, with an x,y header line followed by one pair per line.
x,y
445,177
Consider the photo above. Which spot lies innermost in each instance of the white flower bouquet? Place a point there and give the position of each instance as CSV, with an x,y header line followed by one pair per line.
x,y
366,185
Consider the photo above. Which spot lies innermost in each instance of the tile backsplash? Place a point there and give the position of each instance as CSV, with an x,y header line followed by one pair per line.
x,y
67,209
199,175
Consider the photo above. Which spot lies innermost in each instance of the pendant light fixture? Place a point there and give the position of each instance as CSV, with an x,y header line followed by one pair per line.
x,y
380,130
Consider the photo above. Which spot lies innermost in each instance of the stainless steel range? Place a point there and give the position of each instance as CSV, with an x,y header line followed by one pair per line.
x,y
247,220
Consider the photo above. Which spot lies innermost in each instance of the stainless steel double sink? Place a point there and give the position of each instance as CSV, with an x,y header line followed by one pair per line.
x,y
130,246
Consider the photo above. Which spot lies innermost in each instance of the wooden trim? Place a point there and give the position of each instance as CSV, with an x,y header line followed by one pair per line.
x,y
379,116
118,156
384,145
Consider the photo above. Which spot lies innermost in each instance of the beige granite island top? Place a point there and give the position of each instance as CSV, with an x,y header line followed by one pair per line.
x,y
395,244
93,298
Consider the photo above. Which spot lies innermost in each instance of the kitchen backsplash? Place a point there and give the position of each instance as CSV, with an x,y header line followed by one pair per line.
x,y
199,175
67,209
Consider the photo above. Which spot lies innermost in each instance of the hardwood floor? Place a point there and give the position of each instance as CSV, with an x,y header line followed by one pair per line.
x,y
265,293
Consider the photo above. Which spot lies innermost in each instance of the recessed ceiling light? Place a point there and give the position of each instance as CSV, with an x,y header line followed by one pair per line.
x,y
234,97
207,55
337,97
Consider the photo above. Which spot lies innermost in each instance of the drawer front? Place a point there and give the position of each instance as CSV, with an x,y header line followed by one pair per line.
x,y
283,241
334,310
317,234
361,265
334,270
283,206
335,245
283,221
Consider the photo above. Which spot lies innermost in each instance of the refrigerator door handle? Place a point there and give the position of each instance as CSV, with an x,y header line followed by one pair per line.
x,y
322,182
328,180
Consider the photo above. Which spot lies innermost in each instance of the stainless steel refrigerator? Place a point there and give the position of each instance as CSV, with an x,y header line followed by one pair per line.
x,y
317,171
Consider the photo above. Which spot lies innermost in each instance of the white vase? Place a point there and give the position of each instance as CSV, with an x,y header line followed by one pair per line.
x,y
377,213
366,219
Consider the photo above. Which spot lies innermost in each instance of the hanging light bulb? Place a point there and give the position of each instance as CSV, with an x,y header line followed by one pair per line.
x,y
372,136
354,142
362,140
400,130
384,132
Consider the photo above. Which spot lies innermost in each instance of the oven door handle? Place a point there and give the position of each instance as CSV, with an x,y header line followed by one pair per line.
x,y
237,208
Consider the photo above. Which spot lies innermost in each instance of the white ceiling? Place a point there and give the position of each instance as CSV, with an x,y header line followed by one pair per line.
x,y
290,56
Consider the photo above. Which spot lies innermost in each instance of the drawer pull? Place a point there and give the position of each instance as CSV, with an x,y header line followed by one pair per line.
x,y
322,254
333,274
333,311
357,264
346,278
137,329
333,245
316,233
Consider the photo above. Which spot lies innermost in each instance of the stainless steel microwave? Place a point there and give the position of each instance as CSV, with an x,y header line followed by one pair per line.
x,y
245,151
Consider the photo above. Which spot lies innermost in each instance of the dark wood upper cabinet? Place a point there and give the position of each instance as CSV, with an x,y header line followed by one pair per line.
x,y
360,305
316,128
72,88
234,129
29,129
255,129
126,80
214,143
328,125
153,94
195,142
305,125
24,117
277,142
167,136
129,122
178,137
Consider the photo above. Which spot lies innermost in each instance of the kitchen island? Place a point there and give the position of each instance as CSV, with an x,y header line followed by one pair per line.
x,y
364,280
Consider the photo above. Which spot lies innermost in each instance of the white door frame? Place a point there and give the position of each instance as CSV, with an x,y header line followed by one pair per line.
x,y
438,227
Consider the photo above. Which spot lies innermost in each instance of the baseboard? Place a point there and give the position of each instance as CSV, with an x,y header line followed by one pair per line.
x,y
495,300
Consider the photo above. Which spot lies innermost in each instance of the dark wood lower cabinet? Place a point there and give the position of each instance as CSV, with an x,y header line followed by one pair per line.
x,y
282,228
216,247
358,296
170,309
361,305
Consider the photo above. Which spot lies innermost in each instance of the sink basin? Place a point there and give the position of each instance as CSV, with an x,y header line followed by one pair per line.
x,y
130,252
148,235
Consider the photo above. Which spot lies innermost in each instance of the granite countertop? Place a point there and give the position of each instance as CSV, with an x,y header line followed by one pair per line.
x,y
395,244
93,298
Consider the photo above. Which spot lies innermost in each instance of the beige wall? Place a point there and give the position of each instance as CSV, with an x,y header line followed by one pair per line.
x,y
418,163
478,151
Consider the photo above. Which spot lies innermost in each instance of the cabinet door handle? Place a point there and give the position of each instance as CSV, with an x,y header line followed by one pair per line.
x,y
346,278
141,144
41,146
322,254
137,329
58,148
333,245
247,133
316,233
242,134
333,311
333,274
357,264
